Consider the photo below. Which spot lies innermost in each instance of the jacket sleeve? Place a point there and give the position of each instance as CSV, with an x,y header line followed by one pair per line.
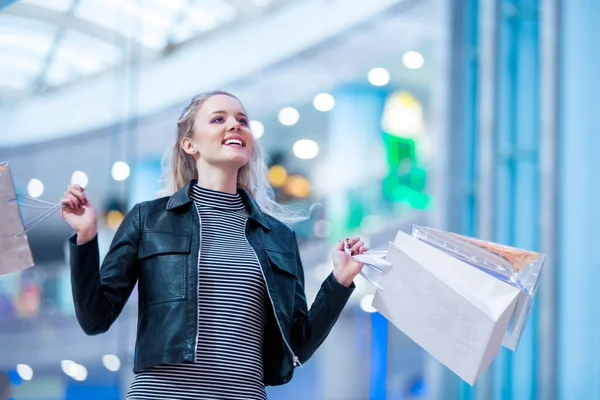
x,y
311,327
100,294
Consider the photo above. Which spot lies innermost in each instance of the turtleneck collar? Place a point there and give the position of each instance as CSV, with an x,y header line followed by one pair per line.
x,y
216,199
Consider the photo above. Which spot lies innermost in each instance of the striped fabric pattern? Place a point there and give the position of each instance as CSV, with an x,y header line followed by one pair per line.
x,y
231,313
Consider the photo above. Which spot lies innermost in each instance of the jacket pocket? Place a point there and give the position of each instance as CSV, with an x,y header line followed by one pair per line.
x,y
164,259
284,274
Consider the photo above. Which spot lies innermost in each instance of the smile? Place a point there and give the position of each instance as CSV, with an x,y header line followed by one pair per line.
x,y
233,142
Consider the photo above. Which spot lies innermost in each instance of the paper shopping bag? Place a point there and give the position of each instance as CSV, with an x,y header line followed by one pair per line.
x,y
457,313
15,253
517,267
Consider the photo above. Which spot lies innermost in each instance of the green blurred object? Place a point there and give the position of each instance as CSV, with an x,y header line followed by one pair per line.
x,y
406,180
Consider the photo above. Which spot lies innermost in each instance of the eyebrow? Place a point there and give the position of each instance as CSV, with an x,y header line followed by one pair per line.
x,y
225,112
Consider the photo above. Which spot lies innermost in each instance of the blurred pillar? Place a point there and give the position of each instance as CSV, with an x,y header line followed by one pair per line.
x,y
486,144
496,79
549,111
144,183
517,180
355,148
378,363
355,143
463,97
579,202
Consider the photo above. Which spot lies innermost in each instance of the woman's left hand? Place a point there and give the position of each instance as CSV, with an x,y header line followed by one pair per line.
x,y
345,268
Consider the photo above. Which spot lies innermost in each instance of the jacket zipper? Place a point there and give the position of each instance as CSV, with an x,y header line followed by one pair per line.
x,y
198,281
295,360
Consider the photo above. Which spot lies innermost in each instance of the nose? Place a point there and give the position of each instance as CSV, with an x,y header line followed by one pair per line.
x,y
234,125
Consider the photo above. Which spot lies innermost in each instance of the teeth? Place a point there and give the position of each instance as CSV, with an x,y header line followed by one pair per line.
x,y
233,141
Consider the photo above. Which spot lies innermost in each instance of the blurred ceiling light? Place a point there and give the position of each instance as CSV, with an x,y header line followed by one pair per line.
x,y
120,171
79,178
257,128
402,115
80,374
288,116
322,228
69,367
305,149
277,175
413,60
114,219
365,303
297,186
35,188
74,370
379,76
111,362
25,372
324,102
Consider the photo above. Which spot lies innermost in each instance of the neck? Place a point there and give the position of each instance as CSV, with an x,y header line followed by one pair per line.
x,y
214,178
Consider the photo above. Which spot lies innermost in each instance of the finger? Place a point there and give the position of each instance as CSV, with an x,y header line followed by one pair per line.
x,y
340,246
75,201
357,246
352,241
78,194
362,249
73,198
66,203
76,190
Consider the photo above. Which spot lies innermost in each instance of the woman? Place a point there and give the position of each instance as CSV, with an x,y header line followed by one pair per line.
x,y
222,309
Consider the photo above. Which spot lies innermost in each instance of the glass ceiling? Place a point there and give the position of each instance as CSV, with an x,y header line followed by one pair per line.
x,y
48,43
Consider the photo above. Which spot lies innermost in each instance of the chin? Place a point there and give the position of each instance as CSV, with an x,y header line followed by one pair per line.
x,y
234,162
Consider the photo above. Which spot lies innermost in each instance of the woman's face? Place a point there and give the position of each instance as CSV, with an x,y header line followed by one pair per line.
x,y
221,134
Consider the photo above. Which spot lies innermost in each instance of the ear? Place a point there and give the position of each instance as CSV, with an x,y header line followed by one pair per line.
x,y
188,146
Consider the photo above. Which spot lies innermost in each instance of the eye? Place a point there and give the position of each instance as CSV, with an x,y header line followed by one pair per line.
x,y
243,121
217,119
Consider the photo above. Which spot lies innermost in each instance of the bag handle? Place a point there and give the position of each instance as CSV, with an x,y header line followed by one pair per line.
x,y
375,260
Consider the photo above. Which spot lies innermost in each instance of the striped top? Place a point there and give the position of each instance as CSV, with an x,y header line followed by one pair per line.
x,y
231,313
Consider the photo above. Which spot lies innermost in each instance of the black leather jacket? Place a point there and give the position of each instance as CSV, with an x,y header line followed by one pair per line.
x,y
157,246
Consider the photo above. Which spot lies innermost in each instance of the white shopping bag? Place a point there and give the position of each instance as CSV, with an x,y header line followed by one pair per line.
x,y
458,313
15,252
517,267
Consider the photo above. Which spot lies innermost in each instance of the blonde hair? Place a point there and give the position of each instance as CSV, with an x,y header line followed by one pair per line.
x,y
179,167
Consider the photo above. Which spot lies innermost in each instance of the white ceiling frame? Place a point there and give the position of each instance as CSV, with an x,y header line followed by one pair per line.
x,y
253,47
69,22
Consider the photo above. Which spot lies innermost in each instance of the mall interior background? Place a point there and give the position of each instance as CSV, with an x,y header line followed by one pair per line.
x,y
479,117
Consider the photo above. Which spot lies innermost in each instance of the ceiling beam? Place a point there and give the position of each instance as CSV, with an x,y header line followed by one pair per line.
x,y
37,13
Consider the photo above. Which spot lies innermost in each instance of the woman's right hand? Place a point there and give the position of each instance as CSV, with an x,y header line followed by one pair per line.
x,y
79,213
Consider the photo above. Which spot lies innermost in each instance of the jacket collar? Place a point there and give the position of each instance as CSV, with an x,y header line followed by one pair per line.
x,y
182,198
